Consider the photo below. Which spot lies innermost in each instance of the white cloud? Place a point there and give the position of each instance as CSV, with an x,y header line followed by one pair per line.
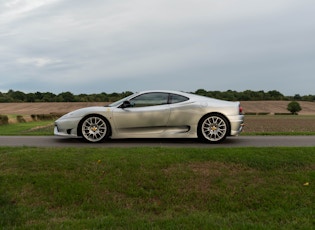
x,y
37,62
14,9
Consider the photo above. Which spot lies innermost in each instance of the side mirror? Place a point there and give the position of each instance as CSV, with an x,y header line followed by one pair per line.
x,y
125,104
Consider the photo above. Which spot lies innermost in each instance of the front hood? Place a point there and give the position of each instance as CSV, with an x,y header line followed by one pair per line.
x,y
82,112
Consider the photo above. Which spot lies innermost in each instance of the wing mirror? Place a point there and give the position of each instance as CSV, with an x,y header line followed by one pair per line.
x,y
125,104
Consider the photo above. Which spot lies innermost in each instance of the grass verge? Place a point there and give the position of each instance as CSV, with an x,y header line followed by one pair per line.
x,y
28,128
157,188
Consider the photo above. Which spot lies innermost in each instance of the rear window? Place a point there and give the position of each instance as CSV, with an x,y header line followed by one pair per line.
x,y
175,98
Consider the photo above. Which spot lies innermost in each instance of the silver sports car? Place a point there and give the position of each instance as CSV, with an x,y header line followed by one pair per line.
x,y
155,114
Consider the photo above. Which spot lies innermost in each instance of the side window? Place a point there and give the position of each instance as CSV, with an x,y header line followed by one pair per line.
x,y
178,98
150,99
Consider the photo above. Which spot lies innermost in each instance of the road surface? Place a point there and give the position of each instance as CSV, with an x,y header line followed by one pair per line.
x,y
241,141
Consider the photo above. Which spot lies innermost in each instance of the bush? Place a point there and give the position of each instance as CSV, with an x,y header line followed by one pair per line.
x,y
20,119
283,113
41,117
4,120
45,117
34,117
254,113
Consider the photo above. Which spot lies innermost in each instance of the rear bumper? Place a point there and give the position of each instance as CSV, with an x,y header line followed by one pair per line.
x,y
237,124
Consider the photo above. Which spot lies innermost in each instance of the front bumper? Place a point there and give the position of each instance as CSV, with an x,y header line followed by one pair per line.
x,y
64,133
66,127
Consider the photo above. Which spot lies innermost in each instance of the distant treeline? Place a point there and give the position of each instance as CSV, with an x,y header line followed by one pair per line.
x,y
230,95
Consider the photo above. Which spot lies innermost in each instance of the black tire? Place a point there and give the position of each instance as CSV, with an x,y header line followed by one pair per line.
x,y
94,128
213,128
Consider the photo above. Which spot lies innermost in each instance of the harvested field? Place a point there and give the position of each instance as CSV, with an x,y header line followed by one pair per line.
x,y
281,123
45,108
272,107
303,123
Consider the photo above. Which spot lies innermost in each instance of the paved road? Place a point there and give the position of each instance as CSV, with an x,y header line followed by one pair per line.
x,y
241,141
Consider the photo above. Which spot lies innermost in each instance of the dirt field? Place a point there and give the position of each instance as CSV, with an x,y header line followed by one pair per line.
x,y
43,108
308,108
282,123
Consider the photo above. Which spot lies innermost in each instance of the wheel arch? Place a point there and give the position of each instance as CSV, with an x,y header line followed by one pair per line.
x,y
79,131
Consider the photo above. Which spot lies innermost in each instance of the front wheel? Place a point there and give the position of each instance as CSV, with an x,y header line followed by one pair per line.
x,y
213,128
94,128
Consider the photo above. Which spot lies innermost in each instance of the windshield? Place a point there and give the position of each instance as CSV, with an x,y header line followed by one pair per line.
x,y
117,103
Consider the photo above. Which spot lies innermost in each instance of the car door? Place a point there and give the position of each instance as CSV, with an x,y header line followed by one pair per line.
x,y
183,111
148,113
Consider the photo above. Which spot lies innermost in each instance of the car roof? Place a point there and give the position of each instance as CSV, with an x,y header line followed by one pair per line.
x,y
167,91
191,96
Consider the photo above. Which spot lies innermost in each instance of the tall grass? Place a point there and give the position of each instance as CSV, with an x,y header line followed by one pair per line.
x,y
157,188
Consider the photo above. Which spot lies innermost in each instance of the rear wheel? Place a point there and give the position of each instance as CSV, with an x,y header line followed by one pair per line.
x,y
94,128
213,128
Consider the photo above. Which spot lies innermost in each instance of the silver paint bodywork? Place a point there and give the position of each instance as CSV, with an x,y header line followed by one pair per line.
x,y
177,120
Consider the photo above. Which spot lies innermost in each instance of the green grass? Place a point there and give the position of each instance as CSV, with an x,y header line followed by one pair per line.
x,y
157,188
28,128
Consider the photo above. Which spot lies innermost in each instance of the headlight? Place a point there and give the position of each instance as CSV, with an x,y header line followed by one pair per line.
x,y
66,116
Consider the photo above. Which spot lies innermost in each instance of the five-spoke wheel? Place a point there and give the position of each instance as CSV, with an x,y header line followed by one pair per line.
x,y
213,128
94,128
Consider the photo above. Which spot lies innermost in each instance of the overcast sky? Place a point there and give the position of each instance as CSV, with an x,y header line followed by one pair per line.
x,y
132,45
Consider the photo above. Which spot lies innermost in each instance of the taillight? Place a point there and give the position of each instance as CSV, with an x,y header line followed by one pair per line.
x,y
240,109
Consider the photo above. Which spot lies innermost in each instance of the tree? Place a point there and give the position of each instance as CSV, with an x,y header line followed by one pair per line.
x,y
17,96
275,95
294,107
297,97
201,92
66,97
